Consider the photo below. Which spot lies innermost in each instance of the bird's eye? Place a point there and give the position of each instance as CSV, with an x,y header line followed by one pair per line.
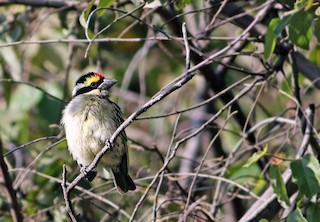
x,y
93,84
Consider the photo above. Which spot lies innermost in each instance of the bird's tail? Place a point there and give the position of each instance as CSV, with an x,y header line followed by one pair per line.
x,y
123,182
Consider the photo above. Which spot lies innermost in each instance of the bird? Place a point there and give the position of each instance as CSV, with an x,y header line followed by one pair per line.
x,y
89,121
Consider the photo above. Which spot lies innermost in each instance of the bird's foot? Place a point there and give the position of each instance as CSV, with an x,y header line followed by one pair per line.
x,y
88,175
83,169
110,145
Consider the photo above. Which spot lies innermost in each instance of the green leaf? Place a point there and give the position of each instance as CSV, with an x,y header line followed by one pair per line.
x,y
300,4
296,216
313,213
299,200
300,29
104,4
309,5
256,156
136,2
315,55
24,98
271,38
282,24
278,186
11,59
17,31
306,174
88,9
274,30
180,4
316,29
85,14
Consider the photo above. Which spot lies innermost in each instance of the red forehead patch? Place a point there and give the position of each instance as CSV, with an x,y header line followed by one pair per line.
x,y
99,74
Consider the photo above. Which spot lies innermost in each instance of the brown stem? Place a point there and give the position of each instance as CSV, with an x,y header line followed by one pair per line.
x,y
9,191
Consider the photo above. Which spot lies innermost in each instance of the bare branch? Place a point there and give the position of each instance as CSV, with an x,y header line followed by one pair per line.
x,y
161,176
22,175
201,164
29,143
31,85
186,45
44,3
10,192
66,196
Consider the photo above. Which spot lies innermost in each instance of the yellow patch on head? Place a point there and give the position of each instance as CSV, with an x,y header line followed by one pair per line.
x,y
92,79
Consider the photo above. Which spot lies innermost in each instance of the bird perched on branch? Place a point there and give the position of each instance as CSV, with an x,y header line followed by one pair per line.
x,y
89,121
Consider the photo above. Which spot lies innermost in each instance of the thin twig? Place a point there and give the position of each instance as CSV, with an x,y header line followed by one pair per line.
x,y
209,28
308,131
205,102
33,86
10,192
178,143
21,177
44,3
108,26
173,136
66,195
29,143
186,210
81,189
105,40
186,45
213,177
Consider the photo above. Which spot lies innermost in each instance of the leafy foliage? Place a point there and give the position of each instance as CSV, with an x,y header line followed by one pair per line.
x,y
306,173
296,216
278,186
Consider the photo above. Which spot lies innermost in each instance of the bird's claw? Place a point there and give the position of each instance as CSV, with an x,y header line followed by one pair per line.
x,y
83,170
88,175
110,145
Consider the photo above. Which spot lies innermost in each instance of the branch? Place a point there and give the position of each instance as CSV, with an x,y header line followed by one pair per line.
x,y
66,195
29,143
22,176
46,3
81,189
161,175
10,192
186,45
209,147
193,134
217,83
33,86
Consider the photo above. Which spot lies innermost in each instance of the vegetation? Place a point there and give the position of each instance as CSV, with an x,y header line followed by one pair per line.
x,y
220,100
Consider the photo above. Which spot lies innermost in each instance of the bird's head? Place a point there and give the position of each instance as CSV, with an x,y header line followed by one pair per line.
x,y
92,83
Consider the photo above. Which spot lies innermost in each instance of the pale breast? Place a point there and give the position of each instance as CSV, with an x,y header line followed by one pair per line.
x,y
89,124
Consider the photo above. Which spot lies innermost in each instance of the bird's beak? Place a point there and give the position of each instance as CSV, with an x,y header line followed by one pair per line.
x,y
107,84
